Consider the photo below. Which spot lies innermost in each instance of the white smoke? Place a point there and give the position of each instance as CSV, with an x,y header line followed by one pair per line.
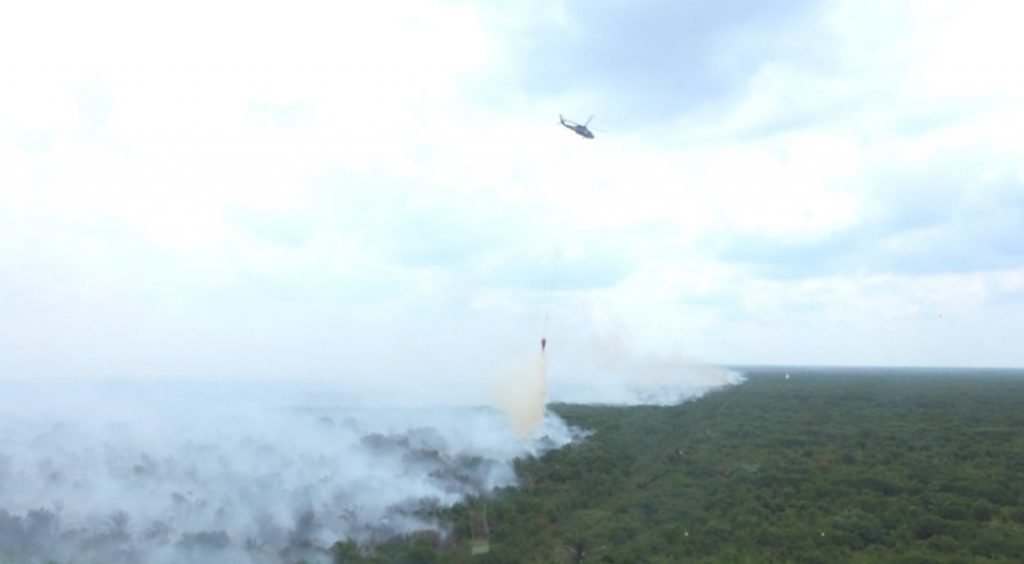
x,y
269,471
233,472
606,370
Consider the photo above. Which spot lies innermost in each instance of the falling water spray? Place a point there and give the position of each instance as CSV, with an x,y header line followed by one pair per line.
x,y
522,395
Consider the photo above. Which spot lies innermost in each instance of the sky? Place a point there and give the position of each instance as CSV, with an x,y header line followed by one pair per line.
x,y
380,192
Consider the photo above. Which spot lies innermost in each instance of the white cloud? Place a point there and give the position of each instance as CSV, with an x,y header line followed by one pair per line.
x,y
243,177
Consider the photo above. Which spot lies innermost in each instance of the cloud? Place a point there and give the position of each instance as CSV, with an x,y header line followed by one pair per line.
x,y
947,214
284,181
652,61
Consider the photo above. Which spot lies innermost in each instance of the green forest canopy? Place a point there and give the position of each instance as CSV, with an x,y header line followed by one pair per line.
x,y
830,465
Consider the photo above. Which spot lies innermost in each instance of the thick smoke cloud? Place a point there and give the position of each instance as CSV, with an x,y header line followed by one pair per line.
x,y
243,472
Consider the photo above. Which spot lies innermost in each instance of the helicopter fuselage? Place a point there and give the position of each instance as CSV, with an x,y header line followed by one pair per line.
x,y
580,129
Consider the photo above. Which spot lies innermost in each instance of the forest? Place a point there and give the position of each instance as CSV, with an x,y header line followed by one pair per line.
x,y
825,465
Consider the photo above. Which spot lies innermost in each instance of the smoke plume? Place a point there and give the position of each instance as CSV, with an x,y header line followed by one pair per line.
x,y
236,472
269,471
606,370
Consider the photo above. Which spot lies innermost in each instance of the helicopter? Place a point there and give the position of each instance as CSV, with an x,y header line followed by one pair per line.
x,y
580,130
